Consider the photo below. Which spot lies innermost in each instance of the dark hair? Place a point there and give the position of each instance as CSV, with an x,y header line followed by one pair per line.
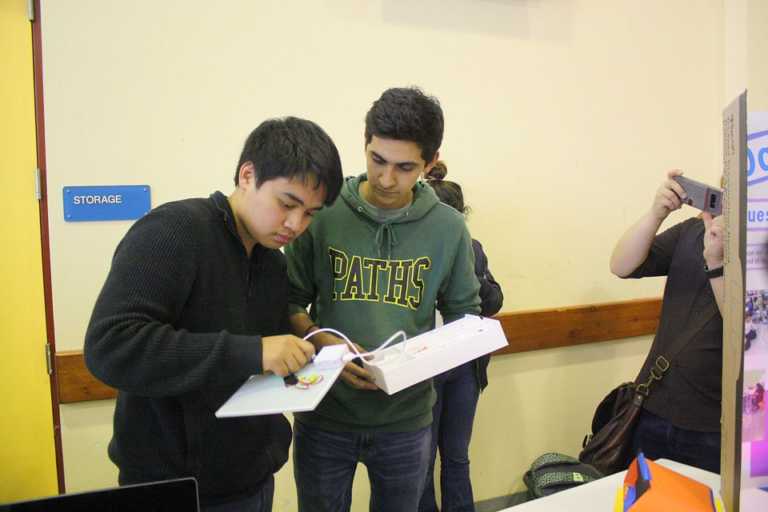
x,y
449,192
290,148
407,114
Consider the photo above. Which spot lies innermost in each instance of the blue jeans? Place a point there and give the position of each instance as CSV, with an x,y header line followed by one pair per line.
x,y
453,415
259,502
324,466
659,439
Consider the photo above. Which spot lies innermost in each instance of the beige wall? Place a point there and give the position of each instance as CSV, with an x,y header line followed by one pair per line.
x,y
561,117
757,49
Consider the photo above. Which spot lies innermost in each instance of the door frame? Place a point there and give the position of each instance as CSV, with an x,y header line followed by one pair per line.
x,y
37,65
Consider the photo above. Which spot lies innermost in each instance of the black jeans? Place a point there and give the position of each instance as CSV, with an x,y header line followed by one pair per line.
x,y
324,466
259,502
659,439
452,419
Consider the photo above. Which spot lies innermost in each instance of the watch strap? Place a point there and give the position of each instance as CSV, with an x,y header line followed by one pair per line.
x,y
713,272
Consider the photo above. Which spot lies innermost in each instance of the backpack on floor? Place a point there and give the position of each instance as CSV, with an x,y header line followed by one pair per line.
x,y
554,472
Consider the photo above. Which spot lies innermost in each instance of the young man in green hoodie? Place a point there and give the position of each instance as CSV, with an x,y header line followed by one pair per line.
x,y
378,261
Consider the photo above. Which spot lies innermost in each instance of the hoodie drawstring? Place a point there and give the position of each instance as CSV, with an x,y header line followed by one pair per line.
x,y
385,231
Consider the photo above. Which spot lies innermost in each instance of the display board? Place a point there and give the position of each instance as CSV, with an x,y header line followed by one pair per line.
x,y
754,421
734,164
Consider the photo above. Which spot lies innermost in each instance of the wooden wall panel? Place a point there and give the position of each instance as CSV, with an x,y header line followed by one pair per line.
x,y
576,325
76,383
525,330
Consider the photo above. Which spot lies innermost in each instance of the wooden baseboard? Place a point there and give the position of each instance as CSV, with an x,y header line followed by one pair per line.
x,y
525,331
75,382
576,325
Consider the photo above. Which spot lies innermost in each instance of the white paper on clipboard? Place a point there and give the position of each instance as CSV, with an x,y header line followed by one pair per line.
x,y
268,394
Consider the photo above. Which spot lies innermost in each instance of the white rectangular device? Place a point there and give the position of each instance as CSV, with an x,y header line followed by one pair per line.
x,y
434,352
271,394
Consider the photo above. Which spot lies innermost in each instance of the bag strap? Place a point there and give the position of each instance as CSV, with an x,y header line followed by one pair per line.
x,y
662,363
551,459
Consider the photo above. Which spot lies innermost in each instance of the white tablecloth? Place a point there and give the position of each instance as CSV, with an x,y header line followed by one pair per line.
x,y
600,495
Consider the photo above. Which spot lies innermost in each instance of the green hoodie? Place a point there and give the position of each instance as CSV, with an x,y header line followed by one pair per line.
x,y
369,279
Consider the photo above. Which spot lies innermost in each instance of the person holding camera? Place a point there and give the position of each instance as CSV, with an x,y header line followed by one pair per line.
x,y
680,419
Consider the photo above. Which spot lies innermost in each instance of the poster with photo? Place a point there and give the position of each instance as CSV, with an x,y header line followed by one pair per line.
x,y
754,424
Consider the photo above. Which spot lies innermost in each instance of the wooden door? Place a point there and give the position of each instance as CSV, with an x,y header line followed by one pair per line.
x,y
27,447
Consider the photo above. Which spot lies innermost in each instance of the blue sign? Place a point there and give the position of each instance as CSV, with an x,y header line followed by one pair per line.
x,y
119,202
757,157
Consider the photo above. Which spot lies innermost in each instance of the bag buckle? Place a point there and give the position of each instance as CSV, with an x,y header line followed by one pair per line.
x,y
659,368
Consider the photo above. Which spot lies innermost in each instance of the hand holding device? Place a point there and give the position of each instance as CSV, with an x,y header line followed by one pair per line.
x,y
701,196
714,239
669,196
356,376
285,354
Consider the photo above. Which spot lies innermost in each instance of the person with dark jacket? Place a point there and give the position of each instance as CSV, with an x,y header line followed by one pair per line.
x,y
458,389
196,301
680,419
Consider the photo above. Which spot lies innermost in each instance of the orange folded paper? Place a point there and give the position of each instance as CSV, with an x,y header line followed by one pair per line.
x,y
657,489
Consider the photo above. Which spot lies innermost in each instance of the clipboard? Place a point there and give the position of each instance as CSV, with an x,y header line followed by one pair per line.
x,y
271,394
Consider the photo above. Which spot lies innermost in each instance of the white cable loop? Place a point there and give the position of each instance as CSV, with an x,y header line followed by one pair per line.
x,y
352,345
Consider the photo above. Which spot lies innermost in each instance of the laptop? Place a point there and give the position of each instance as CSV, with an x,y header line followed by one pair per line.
x,y
178,495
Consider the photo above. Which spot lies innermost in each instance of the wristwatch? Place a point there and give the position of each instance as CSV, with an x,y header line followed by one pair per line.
x,y
713,272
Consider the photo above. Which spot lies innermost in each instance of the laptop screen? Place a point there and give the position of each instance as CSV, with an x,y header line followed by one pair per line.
x,y
169,495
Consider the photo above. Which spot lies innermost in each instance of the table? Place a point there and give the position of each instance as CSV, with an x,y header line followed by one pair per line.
x,y
600,495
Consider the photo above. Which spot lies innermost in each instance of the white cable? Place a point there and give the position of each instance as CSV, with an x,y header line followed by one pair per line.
x,y
357,353
391,338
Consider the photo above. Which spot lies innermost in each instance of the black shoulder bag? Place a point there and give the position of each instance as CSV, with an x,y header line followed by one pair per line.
x,y
613,425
